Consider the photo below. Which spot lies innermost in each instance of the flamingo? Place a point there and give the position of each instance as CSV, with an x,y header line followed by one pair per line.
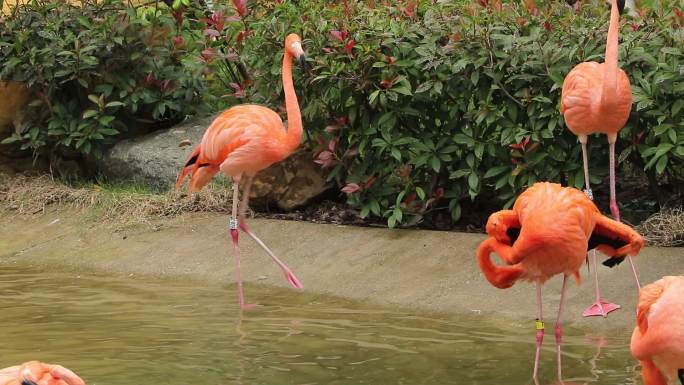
x,y
242,141
658,338
38,373
597,98
548,232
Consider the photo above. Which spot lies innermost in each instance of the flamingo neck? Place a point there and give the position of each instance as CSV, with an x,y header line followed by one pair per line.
x,y
609,92
294,118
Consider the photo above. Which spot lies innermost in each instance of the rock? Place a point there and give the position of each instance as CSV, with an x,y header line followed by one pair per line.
x,y
156,159
14,96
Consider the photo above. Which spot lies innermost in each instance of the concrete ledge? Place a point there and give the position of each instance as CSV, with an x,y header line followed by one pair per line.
x,y
424,270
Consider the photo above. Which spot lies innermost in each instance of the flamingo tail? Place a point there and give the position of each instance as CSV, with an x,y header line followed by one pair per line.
x,y
502,277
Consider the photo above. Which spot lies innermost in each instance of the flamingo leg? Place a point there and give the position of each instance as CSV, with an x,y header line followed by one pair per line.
x,y
289,275
234,234
614,209
558,330
600,307
539,326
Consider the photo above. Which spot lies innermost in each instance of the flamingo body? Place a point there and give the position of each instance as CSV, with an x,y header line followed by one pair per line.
x,y
38,373
581,102
658,338
548,232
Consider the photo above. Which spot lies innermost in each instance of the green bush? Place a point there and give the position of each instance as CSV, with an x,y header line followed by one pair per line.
x,y
421,108
97,69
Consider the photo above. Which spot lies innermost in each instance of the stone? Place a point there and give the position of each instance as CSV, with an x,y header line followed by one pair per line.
x,y
155,160
14,96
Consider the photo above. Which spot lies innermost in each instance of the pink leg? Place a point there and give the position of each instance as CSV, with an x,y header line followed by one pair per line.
x,y
289,275
614,209
539,325
234,234
600,307
559,332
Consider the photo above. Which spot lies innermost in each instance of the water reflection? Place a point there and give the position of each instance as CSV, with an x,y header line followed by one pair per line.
x,y
125,330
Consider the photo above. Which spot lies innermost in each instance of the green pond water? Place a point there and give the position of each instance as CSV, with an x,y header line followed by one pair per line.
x,y
136,330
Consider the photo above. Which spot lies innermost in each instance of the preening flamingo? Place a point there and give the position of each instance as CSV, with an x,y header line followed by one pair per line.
x,y
597,98
38,373
658,338
242,141
548,232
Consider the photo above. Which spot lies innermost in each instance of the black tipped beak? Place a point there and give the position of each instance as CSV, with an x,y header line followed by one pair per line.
x,y
302,62
27,382
621,6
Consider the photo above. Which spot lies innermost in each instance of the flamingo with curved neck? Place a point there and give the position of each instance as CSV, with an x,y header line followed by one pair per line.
x,y
597,98
242,141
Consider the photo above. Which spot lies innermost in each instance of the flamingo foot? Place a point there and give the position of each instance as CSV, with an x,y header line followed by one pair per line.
x,y
248,306
600,308
292,279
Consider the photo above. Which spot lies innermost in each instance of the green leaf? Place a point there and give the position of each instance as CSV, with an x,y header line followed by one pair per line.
x,y
662,163
473,181
494,171
89,114
420,192
402,90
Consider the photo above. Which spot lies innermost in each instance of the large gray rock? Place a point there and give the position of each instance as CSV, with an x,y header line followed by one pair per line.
x,y
155,160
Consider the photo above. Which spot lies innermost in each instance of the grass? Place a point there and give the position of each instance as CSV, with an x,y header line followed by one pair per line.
x,y
665,228
116,205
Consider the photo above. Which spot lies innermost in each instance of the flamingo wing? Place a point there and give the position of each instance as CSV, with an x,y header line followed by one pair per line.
x,y
615,239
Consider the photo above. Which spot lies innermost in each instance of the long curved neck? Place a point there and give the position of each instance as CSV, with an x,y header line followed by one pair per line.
x,y
609,92
294,118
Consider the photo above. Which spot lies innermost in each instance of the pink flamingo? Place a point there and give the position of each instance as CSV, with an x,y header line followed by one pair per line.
x,y
548,232
658,338
38,373
597,98
244,140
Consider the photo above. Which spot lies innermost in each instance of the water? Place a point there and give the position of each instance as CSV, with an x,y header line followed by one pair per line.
x,y
134,330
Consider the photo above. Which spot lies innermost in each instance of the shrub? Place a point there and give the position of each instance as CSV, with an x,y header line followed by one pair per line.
x,y
100,68
421,106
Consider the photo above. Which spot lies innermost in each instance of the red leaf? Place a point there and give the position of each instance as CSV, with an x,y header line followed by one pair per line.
x,y
330,129
208,54
240,7
409,199
235,86
212,32
343,121
349,46
242,36
351,152
389,60
410,10
439,193
179,42
351,188
338,35
482,2
547,26
149,79
332,144
165,85
327,50
677,12
371,179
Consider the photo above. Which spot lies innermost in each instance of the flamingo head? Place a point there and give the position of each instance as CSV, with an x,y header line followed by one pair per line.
x,y
293,46
496,228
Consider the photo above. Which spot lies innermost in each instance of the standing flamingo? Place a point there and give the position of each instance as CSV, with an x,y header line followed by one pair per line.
x,y
244,140
597,98
658,338
38,373
548,232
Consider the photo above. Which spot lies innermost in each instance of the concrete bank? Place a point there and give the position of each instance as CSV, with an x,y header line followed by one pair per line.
x,y
424,270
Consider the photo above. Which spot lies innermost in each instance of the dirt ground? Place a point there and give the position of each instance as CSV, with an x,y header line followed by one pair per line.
x,y
424,270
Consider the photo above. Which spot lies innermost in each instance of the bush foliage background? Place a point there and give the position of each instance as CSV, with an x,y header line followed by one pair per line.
x,y
456,102
418,107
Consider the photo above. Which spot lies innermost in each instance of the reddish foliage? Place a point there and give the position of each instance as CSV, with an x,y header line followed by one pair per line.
x,y
208,55
349,46
340,35
178,42
547,26
351,188
240,7
389,60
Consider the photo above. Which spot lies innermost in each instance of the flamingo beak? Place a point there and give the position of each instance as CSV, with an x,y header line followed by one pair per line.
x,y
302,61
27,382
621,6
